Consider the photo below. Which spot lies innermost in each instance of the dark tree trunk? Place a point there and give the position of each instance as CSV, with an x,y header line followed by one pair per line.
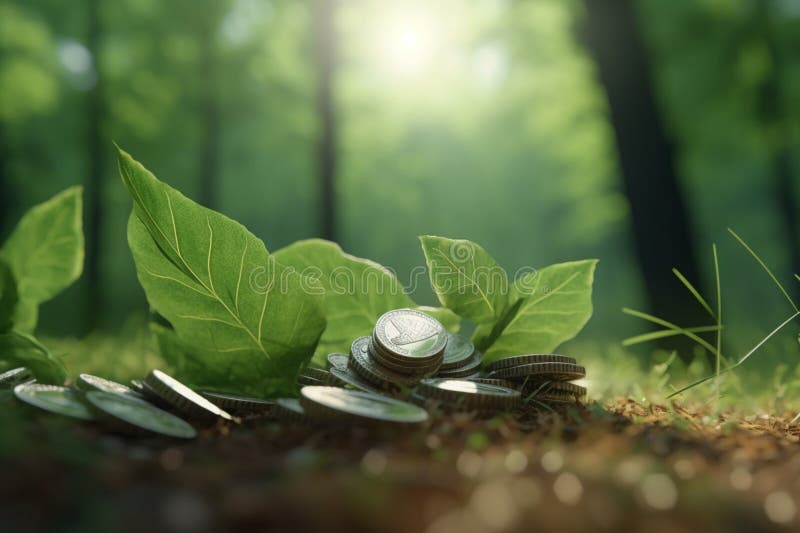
x,y
774,114
94,173
325,45
661,229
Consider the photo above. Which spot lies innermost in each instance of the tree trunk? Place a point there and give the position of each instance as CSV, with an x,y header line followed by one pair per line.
x,y
661,229
325,45
94,174
774,117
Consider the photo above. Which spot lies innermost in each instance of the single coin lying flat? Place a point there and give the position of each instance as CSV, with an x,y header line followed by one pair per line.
x,y
335,403
59,400
134,413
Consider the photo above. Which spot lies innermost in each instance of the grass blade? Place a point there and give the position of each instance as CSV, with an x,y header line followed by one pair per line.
x,y
663,333
738,363
719,307
694,291
670,325
765,267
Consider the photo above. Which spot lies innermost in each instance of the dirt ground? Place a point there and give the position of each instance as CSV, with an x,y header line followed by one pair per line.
x,y
615,467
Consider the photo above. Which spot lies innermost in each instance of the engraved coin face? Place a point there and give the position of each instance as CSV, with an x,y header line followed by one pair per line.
x,y
410,333
361,404
59,400
140,414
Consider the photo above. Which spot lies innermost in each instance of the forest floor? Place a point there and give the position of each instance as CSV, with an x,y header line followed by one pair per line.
x,y
612,466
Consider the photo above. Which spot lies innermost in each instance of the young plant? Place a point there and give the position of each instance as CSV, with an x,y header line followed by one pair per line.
x,y
239,318
536,312
42,257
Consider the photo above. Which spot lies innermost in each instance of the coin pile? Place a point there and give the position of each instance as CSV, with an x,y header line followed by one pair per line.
x,y
408,362
542,377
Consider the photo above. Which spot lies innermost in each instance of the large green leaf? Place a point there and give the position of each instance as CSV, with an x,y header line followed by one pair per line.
x,y
8,297
255,322
466,278
45,253
552,306
357,292
20,349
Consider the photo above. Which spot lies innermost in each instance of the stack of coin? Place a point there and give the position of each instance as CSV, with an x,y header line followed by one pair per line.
x,y
405,346
461,359
467,395
541,377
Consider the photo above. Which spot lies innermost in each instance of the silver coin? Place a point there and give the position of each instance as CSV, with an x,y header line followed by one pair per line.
x,y
457,351
182,397
348,377
88,382
335,403
338,360
518,360
410,333
139,414
59,400
16,376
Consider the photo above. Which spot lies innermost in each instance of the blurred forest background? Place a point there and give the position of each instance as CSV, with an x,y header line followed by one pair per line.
x,y
546,130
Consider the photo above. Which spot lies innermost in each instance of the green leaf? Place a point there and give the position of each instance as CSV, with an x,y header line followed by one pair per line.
x,y
554,304
8,297
220,289
357,292
20,349
45,253
466,278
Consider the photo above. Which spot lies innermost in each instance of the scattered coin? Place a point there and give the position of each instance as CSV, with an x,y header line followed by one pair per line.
x,y
349,377
517,360
16,376
469,394
541,372
182,398
331,403
88,382
317,373
59,400
240,405
457,351
472,365
338,360
133,413
290,410
492,381
308,380
556,389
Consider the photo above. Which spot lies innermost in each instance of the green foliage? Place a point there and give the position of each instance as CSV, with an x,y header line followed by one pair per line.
x,y
8,297
223,293
552,305
691,333
357,292
466,278
45,254
536,313
21,349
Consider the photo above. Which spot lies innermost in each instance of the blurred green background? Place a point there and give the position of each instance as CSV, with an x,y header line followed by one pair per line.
x,y
546,130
